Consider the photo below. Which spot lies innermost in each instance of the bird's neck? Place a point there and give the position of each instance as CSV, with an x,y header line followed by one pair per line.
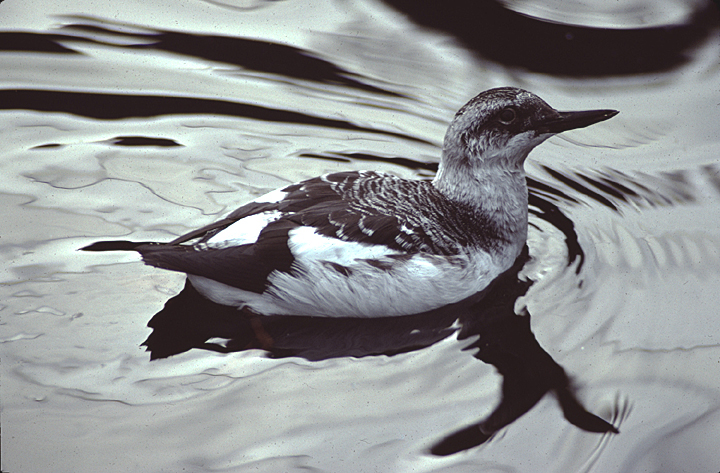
x,y
497,192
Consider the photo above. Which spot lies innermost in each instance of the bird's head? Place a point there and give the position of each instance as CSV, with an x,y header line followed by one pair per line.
x,y
499,127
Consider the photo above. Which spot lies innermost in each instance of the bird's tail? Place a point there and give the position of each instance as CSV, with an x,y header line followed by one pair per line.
x,y
161,255
115,245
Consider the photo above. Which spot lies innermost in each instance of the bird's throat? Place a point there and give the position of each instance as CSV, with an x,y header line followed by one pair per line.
x,y
500,194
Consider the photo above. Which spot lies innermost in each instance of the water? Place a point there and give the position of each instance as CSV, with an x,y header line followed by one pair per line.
x,y
144,121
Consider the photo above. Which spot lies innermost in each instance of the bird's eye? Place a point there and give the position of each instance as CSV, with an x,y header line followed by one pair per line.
x,y
507,116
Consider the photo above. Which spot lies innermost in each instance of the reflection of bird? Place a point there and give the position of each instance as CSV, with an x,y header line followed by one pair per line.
x,y
365,244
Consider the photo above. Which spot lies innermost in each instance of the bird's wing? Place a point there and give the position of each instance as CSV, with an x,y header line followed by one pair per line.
x,y
243,249
322,202
244,266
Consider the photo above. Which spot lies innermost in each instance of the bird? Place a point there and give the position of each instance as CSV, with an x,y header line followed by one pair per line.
x,y
369,244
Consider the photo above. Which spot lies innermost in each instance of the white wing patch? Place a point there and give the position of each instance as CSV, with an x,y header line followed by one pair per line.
x,y
244,231
306,245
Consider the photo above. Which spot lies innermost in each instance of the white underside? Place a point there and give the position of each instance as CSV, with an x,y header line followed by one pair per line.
x,y
418,284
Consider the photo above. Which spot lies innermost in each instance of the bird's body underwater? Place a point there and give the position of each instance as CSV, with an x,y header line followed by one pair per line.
x,y
366,244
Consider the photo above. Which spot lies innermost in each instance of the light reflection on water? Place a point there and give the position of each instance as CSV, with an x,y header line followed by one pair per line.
x,y
635,324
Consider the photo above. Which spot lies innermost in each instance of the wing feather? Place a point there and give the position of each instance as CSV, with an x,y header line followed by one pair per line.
x,y
246,267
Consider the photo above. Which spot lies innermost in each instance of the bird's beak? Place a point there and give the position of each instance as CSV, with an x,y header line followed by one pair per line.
x,y
570,120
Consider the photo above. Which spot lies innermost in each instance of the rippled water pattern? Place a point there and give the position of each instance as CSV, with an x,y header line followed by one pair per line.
x,y
142,121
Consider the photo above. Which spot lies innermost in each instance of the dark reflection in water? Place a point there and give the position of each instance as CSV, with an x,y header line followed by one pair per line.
x,y
144,141
614,189
505,341
578,186
256,55
34,42
400,161
513,39
119,106
550,212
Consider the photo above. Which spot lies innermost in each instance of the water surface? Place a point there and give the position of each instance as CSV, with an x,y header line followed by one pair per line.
x,y
145,121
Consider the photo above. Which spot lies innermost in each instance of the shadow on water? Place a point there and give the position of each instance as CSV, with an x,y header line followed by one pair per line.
x,y
513,39
505,341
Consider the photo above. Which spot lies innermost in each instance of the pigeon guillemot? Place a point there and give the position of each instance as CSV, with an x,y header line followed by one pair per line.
x,y
367,244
